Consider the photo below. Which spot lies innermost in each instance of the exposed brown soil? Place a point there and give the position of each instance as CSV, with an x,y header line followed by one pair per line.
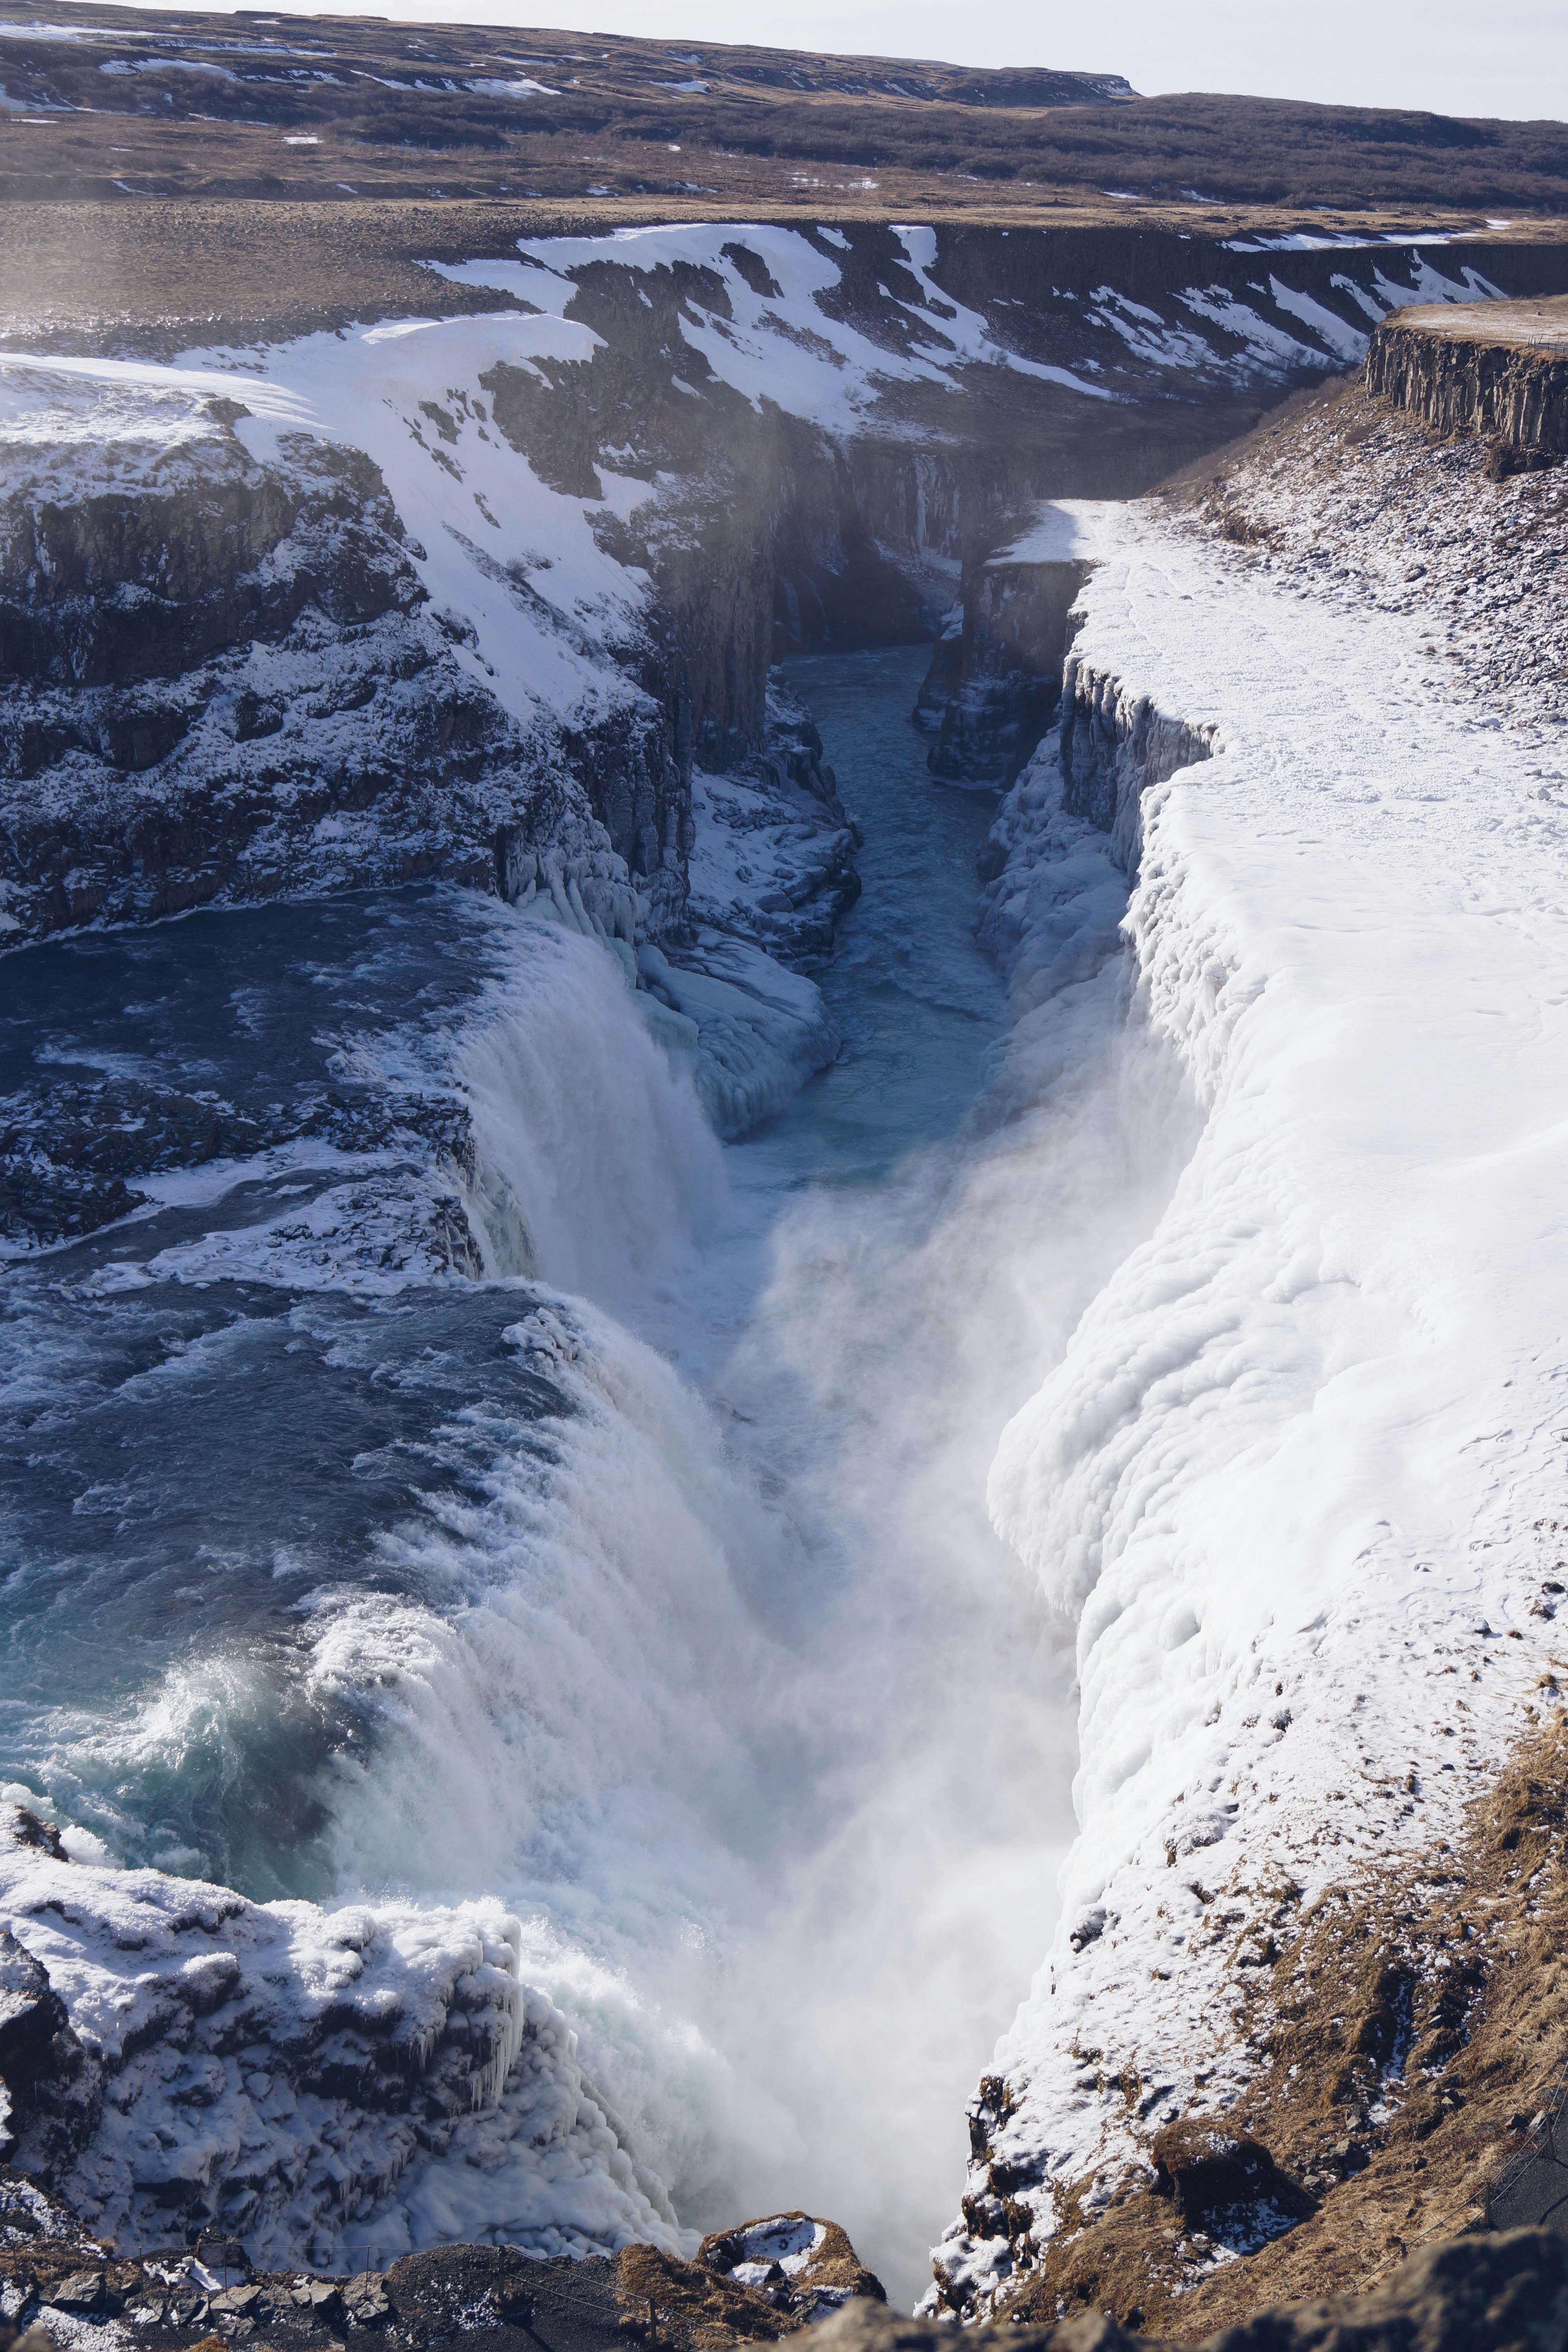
x,y
1524,326
1495,2294
142,103
1412,2025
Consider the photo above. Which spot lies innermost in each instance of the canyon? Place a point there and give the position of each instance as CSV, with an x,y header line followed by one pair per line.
x,y
775,1108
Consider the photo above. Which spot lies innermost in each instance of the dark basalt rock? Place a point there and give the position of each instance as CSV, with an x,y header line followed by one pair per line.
x,y
486,2298
149,764
1506,458
46,2094
70,1151
1461,378
994,682
32,2015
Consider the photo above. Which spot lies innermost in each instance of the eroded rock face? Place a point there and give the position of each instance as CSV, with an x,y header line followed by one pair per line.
x,y
1113,746
995,678
220,680
224,679
1225,2183
32,2018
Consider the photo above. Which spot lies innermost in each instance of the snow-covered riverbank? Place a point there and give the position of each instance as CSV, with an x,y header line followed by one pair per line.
x,y
1297,1475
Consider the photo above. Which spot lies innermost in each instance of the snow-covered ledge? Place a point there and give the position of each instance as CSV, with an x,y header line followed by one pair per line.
x,y
1290,1476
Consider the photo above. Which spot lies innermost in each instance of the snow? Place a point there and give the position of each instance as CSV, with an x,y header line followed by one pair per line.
x,y
787,2242
760,1030
1345,341
1430,285
786,348
763,853
1289,1474
1065,530
1332,1355
546,608
522,88
220,2024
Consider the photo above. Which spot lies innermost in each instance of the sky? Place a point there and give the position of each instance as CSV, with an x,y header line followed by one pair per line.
x,y
1456,57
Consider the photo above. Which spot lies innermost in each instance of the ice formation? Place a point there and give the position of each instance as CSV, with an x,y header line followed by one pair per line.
x,y
1224,1176
326,2082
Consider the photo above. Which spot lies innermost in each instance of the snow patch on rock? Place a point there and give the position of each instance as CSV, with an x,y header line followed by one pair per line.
x,y
354,2083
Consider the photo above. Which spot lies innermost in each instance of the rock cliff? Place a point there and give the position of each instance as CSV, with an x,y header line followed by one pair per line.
x,y
317,622
1499,369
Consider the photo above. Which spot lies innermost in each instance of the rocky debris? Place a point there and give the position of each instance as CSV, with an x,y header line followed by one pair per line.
x,y
754,1032
806,2268
1504,2294
1345,495
1497,368
180,2299
1225,2183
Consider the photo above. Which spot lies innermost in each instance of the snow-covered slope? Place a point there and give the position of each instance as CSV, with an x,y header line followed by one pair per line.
x,y
428,596
1298,1474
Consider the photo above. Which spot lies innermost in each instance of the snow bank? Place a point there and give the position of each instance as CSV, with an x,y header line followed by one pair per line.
x,y
1295,1476
796,322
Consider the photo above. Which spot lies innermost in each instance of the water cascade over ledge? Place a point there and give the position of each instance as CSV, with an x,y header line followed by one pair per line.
x,y
620,1591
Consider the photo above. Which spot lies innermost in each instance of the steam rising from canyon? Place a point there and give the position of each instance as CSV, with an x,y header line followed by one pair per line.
x,y
727,1688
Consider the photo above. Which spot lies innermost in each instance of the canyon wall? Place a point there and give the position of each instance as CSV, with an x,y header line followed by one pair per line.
x,y
427,599
1501,372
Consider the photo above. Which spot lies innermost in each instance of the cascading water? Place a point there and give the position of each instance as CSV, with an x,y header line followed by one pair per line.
x,y
646,1581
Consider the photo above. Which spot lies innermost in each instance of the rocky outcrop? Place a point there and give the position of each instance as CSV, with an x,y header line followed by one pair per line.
x,y
226,676
773,856
756,2283
995,676
273,2073
1499,369
224,679
37,2046
1114,745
